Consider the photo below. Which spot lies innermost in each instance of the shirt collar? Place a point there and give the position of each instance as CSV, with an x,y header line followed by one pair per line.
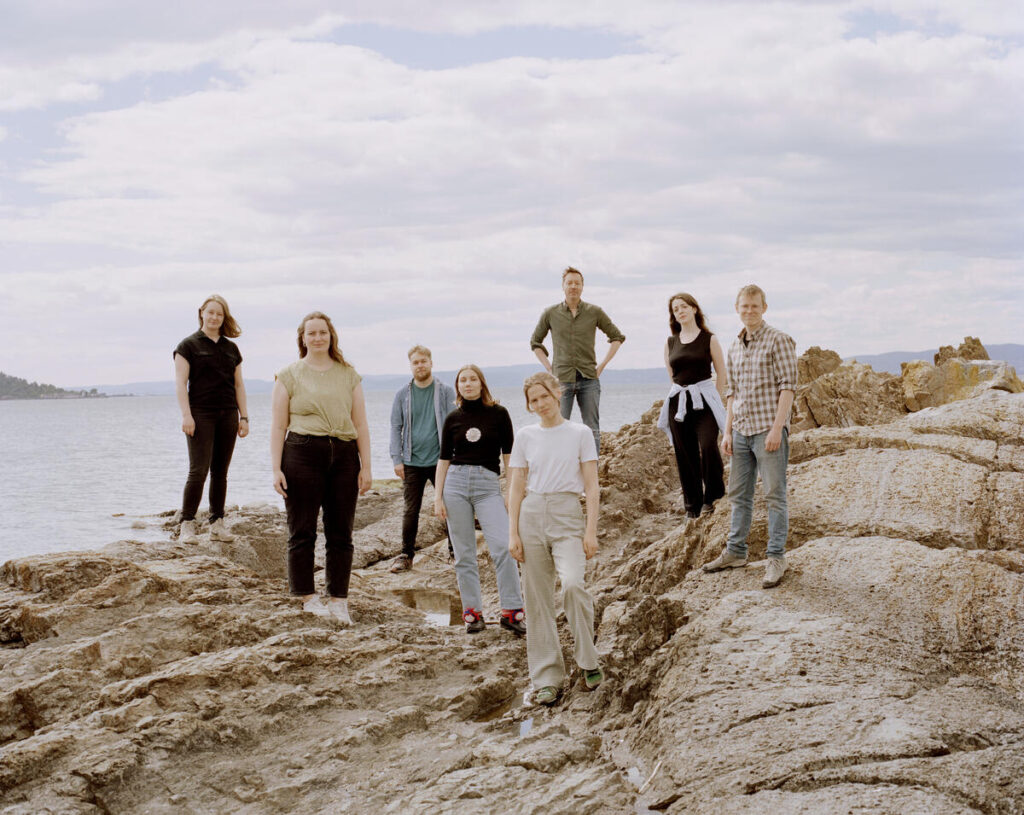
x,y
756,335
579,308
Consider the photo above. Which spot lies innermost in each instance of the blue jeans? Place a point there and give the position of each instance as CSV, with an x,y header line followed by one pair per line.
x,y
748,459
587,393
473,490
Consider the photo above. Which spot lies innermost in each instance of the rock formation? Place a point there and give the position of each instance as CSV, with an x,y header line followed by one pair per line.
x,y
885,674
830,394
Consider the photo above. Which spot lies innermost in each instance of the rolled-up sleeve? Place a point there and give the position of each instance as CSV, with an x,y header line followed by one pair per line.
x,y
609,328
541,331
784,362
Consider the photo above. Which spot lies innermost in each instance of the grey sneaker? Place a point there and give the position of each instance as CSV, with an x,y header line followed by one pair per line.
x,y
315,605
187,533
726,560
402,563
773,572
218,532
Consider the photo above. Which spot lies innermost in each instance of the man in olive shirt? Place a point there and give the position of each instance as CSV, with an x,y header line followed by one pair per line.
x,y
573,325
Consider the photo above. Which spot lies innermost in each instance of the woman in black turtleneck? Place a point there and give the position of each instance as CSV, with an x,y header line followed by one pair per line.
x,y
477,435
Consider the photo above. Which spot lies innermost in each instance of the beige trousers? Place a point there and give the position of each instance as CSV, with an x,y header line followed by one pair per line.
x,y
551,528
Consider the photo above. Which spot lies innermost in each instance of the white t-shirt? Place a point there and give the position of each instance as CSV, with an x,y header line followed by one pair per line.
x,y
553,456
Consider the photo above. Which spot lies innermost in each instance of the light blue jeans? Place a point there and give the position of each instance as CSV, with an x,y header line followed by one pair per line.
x,y
587,392
473,490
748,459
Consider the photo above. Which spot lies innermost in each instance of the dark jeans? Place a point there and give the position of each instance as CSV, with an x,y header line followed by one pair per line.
x,y
414,483
321,471
695,441
209,453
587,393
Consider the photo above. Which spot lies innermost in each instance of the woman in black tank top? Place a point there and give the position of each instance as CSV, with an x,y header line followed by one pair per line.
x,y
690,353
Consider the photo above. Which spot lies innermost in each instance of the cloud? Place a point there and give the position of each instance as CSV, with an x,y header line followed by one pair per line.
x,y
835,160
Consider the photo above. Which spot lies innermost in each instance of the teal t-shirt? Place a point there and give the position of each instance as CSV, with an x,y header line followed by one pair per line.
x,y
426,448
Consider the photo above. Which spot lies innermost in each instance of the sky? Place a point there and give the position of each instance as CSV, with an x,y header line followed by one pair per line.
x,y
423,172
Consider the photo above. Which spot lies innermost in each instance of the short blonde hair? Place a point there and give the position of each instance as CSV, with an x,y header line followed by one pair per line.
x,y
420,349
749,291
546,381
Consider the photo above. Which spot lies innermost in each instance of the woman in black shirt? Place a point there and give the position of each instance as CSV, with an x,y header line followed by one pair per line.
x,y
693,412
477,435
211,396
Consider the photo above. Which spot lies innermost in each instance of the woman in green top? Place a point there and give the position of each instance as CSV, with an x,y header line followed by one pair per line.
x,y
323,462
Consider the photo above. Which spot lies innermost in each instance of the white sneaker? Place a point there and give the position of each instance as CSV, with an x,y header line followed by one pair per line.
x,y
338,606
218,532
314,605
773,572
187,533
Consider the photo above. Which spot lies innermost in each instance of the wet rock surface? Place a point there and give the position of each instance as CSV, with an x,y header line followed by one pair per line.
x,y
884,674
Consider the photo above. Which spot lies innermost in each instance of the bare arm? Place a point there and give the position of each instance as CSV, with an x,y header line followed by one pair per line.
x,y
516,491
243,405
181,369
592,490
667,366
542,355
439,475
279,411
613,349
727,430
362,438
718,361
773,441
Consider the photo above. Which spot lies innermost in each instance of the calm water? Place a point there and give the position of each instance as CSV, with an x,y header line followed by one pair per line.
x,y
78,472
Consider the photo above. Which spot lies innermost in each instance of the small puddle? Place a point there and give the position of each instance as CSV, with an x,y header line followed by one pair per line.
x,y
438,607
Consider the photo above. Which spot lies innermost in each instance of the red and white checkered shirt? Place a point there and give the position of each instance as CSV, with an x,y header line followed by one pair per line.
x,y
759,370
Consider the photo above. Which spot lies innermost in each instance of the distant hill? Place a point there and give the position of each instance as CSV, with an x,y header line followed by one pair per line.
x,y
502,376
511,376
1011,353
14,387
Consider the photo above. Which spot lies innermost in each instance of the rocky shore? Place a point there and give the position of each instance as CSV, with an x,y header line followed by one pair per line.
x,y
884,675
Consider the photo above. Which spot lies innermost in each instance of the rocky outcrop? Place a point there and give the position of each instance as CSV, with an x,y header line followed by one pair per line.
x,y
970,348
883,675
815,362
830,394
955,379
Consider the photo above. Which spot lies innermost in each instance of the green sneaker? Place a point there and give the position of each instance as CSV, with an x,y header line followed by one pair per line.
x,y
593,678
546,696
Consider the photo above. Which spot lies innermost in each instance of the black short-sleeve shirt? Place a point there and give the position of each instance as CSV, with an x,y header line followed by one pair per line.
x,y
211,371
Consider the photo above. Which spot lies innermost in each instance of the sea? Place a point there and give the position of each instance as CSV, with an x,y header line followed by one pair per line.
x,y
82,473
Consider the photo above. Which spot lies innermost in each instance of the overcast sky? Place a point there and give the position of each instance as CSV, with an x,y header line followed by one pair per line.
x,y
423,171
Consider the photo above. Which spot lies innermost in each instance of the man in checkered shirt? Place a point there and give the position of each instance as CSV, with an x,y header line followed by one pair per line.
x,y
762,384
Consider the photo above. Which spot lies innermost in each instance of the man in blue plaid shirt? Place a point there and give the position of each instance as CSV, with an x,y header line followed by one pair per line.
x,y
762,383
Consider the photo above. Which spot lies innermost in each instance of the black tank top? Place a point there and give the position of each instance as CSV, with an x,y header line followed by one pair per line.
x,y
690,361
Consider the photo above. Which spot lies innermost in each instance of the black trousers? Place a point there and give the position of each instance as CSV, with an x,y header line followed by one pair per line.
x,y
209,453
695,440
322,472
413,484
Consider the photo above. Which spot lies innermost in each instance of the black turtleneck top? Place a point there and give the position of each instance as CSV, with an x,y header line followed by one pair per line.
x,y
475,433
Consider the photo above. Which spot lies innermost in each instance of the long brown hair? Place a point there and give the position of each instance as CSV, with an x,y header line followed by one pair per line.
x,y
228,328
698,318
333,351
485,392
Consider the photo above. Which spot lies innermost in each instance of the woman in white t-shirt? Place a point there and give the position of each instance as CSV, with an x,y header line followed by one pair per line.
x,y
555,461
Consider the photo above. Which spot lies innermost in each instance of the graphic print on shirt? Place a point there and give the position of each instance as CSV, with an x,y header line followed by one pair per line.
x,y
473,434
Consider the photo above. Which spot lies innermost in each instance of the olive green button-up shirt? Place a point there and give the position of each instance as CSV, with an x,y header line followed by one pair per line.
x,y
572,338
